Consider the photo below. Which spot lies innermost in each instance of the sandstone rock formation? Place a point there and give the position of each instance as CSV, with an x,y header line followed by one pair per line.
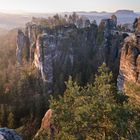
x,y
52,50
129,71
109,48
61,51
114,19
48,53
46,123
20,45
136,25
8,134
129,63
44,56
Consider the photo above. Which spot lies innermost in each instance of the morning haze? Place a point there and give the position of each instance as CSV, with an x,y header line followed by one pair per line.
x,y
67,5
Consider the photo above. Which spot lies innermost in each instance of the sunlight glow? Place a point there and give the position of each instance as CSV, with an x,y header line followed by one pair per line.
x,y
67,5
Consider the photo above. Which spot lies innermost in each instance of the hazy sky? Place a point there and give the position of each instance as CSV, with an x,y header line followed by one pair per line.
x,y
68,5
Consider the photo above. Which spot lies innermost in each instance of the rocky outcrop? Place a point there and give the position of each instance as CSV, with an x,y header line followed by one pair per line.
x,y
31,32
49,53
106,27
53,51
20,45
129,71
129,63
64,50
44,56
136,25
8,134
46,123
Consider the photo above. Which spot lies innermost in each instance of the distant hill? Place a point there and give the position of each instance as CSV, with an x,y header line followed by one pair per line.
x,y
123,16
126,16
124,12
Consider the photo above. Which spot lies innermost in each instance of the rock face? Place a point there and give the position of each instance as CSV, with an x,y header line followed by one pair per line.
x,y
129,71
129,62
49,53
66,50
136,25
20,45
109,48
44,56
8,134
124,12
46,123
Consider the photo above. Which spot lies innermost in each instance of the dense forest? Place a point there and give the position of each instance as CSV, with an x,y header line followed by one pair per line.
x,y
85,101
95,111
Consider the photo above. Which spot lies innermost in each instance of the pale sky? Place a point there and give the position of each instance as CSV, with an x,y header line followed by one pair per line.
x,y
68,5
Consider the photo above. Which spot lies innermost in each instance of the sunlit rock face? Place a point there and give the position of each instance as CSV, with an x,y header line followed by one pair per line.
x,y
44,55
46,123
129,71
129,63
8,134
31,32
136,25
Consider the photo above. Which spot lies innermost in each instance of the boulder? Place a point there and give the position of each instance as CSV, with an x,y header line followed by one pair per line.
x,y
46,123
8,134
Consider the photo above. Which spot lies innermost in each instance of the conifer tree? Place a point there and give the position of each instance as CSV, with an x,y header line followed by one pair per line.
x,y
10,120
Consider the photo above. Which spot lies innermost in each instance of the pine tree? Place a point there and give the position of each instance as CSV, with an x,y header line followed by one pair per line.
x,y
91,112
103,81
83,112
11,120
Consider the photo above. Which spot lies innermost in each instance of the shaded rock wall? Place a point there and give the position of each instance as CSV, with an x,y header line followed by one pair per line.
x,y
68,50
20,45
